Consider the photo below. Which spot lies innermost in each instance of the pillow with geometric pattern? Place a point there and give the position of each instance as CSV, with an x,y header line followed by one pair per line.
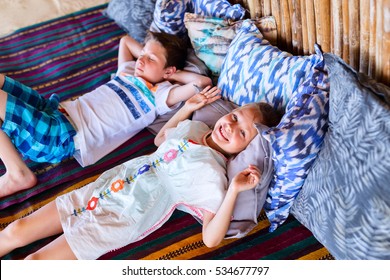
x,y
169,15
254,70
296,142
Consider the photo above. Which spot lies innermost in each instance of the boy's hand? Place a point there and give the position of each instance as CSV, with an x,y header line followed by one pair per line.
x,y
246,179
206,96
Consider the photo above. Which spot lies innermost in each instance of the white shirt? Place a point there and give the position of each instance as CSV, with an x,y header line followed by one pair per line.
x,y
114,112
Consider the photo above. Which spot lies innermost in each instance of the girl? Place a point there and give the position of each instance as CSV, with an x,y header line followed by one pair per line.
x,y
128,202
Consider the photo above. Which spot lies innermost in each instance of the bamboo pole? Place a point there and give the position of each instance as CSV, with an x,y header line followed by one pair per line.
x,y
297,42
305,42
318,26
286,25
364,35
311,25
379,39
354,34
254,8
386,43
337,28
345,31
266,7
325,22
372,44
275,8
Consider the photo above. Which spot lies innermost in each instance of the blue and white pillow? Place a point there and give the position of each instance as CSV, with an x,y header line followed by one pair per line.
x,y
296,142
169,14
254,70
133,16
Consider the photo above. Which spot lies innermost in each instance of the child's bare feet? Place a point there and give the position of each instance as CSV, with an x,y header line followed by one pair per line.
x,y
17,181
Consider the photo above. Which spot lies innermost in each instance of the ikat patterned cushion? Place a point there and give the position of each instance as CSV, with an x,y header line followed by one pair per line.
x,y
254,70
296,142
169,15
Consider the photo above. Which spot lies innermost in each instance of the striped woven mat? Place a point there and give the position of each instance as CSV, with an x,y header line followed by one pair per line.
x,y
72,55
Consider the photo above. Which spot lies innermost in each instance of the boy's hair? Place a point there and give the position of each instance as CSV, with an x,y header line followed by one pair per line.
x,y
270,116
175,47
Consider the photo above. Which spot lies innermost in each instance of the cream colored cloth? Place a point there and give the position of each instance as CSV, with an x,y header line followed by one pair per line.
x,y
15,14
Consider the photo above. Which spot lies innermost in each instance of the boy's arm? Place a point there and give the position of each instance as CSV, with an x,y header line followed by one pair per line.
x,y
190,82
215,226
129,49
197,101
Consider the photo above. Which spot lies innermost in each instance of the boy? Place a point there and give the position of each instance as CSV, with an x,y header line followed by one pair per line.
x,y
147,84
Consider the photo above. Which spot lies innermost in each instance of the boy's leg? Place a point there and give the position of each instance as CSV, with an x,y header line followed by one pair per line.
x,y
42,223
27,94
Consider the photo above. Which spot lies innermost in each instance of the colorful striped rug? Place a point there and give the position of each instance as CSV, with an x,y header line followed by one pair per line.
x,y
72,55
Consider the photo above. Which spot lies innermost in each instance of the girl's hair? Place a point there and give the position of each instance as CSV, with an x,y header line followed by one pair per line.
x,y
270,116
175,47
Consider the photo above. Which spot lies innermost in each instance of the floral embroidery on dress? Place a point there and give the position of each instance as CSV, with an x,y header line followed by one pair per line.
x,y
170,155
120,184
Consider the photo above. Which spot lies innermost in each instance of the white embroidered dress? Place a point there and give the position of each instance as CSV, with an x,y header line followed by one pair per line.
x,y
131,200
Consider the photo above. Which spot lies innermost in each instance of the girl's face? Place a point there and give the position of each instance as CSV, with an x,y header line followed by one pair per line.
x,y
150,65
233,132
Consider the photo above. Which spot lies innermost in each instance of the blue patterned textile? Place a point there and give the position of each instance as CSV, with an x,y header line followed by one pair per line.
x,y
345,200
133,16
254,70
211,36
296,141
38,130
169,14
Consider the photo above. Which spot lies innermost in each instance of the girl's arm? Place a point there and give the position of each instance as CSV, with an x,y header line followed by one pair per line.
x,y
206,96
190,85
129,49
215,226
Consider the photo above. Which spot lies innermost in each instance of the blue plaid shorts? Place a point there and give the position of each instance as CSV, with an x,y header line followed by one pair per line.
x,y
38,130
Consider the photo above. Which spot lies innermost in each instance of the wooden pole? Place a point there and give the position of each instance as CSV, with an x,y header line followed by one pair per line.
x,y
275,7
311,25
354,34
297,42
254,8
286,26
337,28
386,43
267,7
372,43
305,42
379,40
345,31
364,35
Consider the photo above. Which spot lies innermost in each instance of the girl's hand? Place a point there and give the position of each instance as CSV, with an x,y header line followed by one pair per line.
x,y
206,96
246,179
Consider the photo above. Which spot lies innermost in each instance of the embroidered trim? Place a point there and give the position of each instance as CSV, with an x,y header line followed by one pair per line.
x,y
120,184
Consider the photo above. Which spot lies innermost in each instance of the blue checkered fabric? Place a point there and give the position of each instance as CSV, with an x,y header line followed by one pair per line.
x,y
38,130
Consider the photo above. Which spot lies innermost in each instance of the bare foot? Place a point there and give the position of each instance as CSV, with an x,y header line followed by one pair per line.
x,y
17,181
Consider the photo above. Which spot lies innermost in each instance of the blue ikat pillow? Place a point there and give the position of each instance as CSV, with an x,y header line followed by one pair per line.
x,y
169,14
296,142
254,70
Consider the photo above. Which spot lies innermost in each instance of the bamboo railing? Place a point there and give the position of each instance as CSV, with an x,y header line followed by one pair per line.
x,y
356,30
